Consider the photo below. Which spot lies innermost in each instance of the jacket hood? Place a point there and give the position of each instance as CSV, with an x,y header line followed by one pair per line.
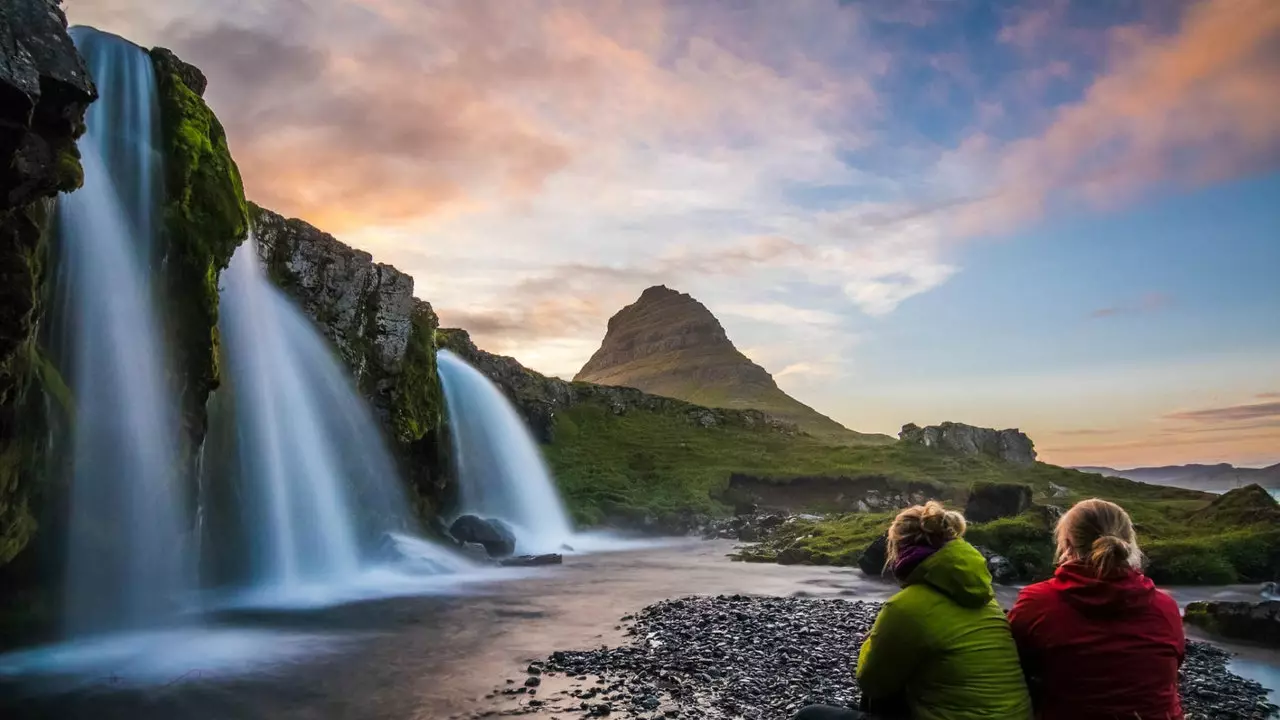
x,y
1095,596
958,571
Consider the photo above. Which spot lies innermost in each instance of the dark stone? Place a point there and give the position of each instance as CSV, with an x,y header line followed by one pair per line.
x,y
874,556
496,536
766,657
1256,622
991,501
44,91
191,75
533,681
532,560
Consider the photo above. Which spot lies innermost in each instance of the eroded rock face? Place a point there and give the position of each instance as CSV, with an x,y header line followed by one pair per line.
x,y
44,92
364,308
1009,445
385,335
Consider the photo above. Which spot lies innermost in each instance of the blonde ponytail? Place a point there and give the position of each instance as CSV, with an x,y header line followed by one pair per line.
x,y
929,524
1099,535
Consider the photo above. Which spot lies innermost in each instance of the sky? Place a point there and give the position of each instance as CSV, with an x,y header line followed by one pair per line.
x,y
1052,215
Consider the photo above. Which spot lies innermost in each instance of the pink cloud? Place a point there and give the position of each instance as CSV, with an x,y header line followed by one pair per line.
x,y
1194,107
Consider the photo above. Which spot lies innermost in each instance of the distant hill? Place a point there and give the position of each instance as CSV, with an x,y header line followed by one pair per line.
x,y
667,343
1210,478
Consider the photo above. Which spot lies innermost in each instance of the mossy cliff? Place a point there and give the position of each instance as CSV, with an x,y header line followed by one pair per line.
x,y
44,92
205,218
385,335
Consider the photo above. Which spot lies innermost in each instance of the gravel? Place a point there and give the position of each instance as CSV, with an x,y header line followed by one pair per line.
x,y
763,658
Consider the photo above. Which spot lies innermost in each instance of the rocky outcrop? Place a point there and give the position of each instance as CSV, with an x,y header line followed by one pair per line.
x,y
669,344
1255,622
1010,445
869,493
990,501
205,220
385,335
44,92
364,308
538,397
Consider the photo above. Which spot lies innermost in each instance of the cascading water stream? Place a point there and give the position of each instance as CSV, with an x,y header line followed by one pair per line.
x,y
319,490
501,473
127,550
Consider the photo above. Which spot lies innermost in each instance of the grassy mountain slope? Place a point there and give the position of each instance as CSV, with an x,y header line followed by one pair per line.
x,y
667,343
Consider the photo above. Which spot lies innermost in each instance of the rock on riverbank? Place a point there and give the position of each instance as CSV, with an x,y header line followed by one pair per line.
x,y
763,658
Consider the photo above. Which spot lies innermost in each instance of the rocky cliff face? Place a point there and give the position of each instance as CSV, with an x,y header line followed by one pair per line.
x,y
538,397
1009,445
668,343
44,91
205,219
385,335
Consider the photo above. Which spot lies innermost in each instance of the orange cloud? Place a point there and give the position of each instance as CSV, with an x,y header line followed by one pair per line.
x,y
1199,106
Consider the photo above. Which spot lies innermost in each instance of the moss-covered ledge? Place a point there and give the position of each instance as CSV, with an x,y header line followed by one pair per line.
x,y
205,219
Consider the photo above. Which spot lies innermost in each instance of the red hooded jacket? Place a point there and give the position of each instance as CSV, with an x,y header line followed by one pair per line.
x,y
1100,649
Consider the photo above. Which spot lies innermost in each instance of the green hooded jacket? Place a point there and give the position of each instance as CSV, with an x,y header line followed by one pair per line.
x,y
945,644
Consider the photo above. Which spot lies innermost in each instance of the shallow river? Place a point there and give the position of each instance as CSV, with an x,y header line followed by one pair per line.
x,y
437,656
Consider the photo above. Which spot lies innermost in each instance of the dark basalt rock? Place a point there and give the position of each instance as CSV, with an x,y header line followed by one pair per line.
x,y
44,91
1255,622
496,536
766,657
991,501
873,558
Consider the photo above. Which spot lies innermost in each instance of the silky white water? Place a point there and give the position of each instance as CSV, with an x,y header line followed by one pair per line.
x,y
318,489
501,473
128,548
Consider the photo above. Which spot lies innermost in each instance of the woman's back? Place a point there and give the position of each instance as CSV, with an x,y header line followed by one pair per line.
x,y
944,644
1098,640
1100,648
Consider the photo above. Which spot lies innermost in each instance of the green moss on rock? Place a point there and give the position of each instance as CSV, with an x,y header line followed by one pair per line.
x,y
205,218
418,405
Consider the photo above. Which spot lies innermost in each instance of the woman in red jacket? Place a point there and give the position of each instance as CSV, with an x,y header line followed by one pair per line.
x,y
1098,641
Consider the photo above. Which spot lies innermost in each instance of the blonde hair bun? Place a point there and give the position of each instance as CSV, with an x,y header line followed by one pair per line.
x,y
929,524
1100,535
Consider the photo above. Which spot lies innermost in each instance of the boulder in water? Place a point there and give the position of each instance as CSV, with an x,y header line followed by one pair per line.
x,y
1257,622
496,536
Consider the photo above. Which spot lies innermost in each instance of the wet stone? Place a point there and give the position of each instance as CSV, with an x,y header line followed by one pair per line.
x,y
763,658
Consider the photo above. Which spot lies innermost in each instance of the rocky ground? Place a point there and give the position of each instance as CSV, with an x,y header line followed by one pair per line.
x,y
763,658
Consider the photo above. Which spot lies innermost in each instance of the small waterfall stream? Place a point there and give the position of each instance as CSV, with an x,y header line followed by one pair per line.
x,y
501,473
127,551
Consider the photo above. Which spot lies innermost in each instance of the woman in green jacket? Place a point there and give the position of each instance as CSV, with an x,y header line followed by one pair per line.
x,y
941,649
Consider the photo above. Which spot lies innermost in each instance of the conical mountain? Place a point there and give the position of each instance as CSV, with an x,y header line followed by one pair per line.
x,y
668,343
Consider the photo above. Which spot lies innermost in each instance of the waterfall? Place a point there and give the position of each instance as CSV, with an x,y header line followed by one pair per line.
x,y
127,555
318,488
501,473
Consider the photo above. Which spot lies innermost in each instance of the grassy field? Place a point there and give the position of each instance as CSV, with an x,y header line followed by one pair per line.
x,y
636,463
